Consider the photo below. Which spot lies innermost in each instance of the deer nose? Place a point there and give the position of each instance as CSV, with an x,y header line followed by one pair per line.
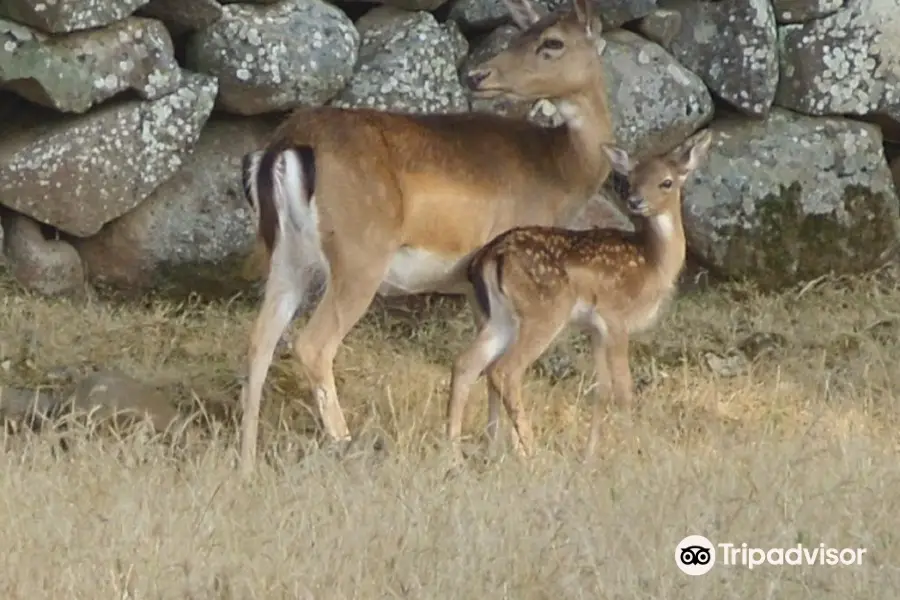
x,y
475,77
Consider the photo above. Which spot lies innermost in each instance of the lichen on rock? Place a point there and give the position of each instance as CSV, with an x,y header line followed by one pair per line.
x,y
65,16
407,63
72,73
271,58
845,64
78,172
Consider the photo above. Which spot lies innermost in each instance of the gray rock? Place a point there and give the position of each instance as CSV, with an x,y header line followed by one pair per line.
x,y
195,231
791,198
121,399
407,63
409,5
71,73
64,16
656,103
77,173
478,14
800,11
49,267
732,46
661,26
181,16
276,57
26,407
844,64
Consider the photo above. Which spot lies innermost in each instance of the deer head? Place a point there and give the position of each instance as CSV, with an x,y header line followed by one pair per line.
x,y
654,186
554,57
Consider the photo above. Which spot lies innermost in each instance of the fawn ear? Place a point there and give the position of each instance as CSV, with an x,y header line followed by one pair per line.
x,y
523,13
693,152
618,158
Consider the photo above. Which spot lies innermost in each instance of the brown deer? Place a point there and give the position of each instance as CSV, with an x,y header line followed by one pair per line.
x,y
530,282
357,202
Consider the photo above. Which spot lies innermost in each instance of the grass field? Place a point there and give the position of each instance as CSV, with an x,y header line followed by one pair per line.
x,y
796,444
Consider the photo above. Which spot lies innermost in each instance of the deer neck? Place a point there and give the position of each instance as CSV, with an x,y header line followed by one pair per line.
x,y
663,235
587,124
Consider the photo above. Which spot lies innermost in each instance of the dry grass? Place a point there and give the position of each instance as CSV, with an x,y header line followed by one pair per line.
x,y
801,446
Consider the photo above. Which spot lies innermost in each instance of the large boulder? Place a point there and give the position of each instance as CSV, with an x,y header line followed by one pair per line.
x,y
407,62
478,14
195,231
72,73
64,16
733,46
77,173
791,198
847,63
656,103
272,58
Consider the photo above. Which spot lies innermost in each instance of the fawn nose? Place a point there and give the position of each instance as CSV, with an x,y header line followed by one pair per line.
x,y
636,204
475,77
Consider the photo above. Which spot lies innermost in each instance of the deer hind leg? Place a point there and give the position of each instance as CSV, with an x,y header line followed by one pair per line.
x,y
613,372
535,336
281,298
349,291
493,422
493,337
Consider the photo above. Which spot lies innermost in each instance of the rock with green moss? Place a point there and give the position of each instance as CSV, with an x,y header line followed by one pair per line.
x,y
791,198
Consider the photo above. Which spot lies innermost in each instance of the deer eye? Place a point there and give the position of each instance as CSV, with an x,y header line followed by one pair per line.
x,y
551,44
667,184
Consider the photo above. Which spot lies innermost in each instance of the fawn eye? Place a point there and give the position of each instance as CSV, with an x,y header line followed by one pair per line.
x,y
667,184
551,44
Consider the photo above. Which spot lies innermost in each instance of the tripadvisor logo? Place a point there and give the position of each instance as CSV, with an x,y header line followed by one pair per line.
x,y
696,555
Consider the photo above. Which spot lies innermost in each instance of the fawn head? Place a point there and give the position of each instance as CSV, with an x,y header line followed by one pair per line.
x,y
555,56
654,185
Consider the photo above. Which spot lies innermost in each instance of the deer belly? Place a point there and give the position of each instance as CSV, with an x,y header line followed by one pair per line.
x,y
418,271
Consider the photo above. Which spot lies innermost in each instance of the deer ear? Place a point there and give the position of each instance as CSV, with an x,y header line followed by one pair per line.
x,y
583,13
523,13
694,152
618,158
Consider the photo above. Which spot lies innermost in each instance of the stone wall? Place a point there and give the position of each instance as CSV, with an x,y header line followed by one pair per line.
x,y
122,122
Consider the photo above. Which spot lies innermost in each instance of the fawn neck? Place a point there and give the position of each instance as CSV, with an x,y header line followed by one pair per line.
x,y
588,123
663,237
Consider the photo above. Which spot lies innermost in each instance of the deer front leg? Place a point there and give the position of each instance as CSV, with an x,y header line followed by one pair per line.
x,y
602,387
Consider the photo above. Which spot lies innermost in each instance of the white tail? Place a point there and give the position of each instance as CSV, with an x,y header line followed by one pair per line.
x,y
387,203
530,282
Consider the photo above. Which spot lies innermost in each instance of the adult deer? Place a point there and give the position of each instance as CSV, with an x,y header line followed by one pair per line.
x,y
530,282
368,202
